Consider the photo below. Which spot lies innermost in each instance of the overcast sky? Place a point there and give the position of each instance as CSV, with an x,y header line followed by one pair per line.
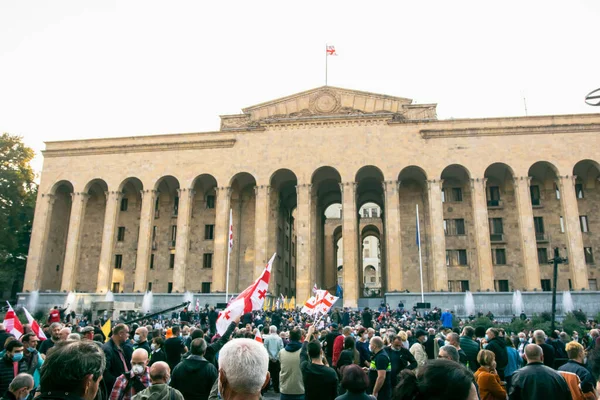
x,y
85,69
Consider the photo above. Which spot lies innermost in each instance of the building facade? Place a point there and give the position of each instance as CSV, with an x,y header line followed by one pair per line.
x,y
495,197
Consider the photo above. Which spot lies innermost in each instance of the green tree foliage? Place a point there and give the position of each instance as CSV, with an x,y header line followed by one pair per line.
x,y
17,202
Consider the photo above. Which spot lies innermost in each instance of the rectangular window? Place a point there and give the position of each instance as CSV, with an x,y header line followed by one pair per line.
x,y
176,206
546,285
589,255
496,226
365,213
118,261
149,286
462,257
121,234
210,201
446,226
538,223
593,284
459,224
454,227
557,191
562,225
151,261
124,203
170,287
499,256
570,285
444,198
154,232
493,196
287,269
375,213
287,242
583,221
205,287
457,194
207,260
173,235
535,195
171,261
209,232
116,287
579,190
456,258
156,208
501,285
542,253
458,286
293,249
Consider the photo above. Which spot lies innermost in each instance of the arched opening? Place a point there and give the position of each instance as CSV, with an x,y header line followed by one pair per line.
x,y
371,266
333,243
243,206
56,243
86,269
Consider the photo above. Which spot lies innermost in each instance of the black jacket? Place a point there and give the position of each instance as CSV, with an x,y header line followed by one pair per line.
x,y
535,381
144,345
7,372
159,355
114,364
400,359
194,377
3,336
588,383
498,347
211,351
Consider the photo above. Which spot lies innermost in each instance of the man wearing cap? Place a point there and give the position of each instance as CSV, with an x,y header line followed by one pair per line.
x,y
330,341
417,349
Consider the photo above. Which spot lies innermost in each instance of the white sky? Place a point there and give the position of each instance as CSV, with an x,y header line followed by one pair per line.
x,y
84,69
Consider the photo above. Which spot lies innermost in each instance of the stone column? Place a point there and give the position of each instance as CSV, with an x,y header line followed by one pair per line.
x,y
393,245
351,248
303,243
221,245
482,234
73,240
261,229
144,239
111,213
527,231
579,271
315,277
438,239
39,238
182,244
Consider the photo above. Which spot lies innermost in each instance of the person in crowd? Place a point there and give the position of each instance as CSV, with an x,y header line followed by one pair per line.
x,y
3,334
159,389
497,345
400,357
539,338
346,317
536,381
380,380
19,388
488,381
514,362
134,381
575,365
437,379
87,333
273,344
367,318
522,343
195,376
212,320
430,344
446,319
12,364
362,345
64,333
449,352
118,356
291,384
338,345
243,369
470,347
330,341
417,349
31,357
355,383
72,370
98,330
46,345
157,350
213,348
320,381
453,340
55,315
174,347
141,339
349,355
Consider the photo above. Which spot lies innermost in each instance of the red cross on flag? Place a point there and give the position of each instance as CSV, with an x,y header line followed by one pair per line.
x,y
331,50
35,327
327,300
309,306
230,229
250,299
12,323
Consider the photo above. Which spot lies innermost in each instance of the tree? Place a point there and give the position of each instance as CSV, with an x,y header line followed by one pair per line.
x,y
18,193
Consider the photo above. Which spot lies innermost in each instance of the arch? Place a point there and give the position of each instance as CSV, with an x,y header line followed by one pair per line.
x,y
205,182
369,267
584,167
62,184
285,181
169,182
412,172
137,184
242,180
456,171
541,168
369,188
281,177
96,182
370,230
369,171
498,171
325,173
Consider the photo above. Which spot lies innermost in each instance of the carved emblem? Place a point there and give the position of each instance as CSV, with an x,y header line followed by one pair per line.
x,y
325,102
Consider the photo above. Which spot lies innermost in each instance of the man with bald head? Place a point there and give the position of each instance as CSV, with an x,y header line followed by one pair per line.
x,y
141,339
380,370
134,381
160,374
536,381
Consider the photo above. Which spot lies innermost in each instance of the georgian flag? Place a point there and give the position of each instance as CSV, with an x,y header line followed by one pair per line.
x,y
331,50
230,229
327,300
258,337
310,306
35,327
12,323
250,299
315,288
197,305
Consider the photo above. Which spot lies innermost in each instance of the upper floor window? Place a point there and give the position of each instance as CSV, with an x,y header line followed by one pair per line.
x,y
535,195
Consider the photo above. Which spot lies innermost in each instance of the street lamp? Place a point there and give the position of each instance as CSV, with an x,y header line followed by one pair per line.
x,y
556,260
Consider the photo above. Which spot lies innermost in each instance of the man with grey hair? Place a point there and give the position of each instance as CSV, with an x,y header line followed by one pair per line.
x,y
160,373
19,388
449,352
535,381
46,345
195,375
539,338
274,344
243,369
454,340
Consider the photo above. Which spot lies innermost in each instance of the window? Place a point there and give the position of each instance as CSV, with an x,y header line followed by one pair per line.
x,y
116,287
287,242
171,261
170,287
175,205
205,287
375,213
121,234
207,260
546,287
457,194
501,285
557,191
287,269
542,255
151,261
496,229
453,227
535,195
124,203
156,207
173,235
293,249
579,190
456,257
462,257
538,223
589,255
570,285
499,256
365,213
452,195
210,201
593,284
149,286
459,224
583,221
458,286
118,261
562,224
209,232
372,279
493,196
154,231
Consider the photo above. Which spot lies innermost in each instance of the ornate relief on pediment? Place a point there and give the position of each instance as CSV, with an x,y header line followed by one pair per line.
x,y
325,102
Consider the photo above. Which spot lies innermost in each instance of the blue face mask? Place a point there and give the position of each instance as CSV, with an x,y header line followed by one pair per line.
x,y
17,357
487,337
30,349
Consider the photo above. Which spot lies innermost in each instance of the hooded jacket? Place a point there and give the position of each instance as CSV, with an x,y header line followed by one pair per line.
x,y
498,347
194,377
290,376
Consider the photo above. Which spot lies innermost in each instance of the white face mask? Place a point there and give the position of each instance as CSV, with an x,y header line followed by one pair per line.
x,y
425,339
138,369
153,346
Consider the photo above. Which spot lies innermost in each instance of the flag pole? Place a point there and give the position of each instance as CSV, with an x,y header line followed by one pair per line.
x,y
420,258
228,255
326,64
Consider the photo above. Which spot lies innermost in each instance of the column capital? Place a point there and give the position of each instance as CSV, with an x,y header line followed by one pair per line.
x,y
392,186
266,188
223,189
348,185
431,183
81,196
50,197
149,192
182,191
304,186
116,195
480,181
518,179
565,179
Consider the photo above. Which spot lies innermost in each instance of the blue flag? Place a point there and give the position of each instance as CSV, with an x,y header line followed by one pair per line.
x,y
339,291
418,233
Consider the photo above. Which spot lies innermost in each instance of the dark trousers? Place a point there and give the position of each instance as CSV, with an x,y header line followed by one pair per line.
x,y
274,368
291,397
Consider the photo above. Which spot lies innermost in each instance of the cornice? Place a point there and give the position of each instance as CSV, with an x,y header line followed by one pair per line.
x,y
141,148
328,121
509,131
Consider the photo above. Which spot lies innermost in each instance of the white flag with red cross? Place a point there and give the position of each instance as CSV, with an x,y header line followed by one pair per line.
x,y
258,336
230,229
12,323
35,327
310,306
327,300
249,300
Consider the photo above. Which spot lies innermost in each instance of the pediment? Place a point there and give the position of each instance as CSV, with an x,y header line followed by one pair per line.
x,y
325,101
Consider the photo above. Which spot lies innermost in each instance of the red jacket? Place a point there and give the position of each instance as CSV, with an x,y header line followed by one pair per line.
x,y
338,346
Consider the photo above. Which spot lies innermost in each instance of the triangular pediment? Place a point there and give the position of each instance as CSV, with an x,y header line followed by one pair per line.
x,y
325,101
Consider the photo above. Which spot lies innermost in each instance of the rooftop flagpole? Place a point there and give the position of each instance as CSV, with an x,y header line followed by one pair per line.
x,y
229,245
326,57
420,259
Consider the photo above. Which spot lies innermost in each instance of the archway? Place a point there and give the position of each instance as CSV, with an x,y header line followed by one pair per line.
x,y
333,241
371,266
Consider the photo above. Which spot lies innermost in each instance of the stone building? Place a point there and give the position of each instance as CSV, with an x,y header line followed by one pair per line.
x,y
495,195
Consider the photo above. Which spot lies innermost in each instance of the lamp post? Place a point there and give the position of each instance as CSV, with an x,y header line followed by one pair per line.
x,y
556,260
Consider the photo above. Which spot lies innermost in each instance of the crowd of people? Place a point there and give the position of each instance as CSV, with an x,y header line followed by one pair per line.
x,y
345,354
